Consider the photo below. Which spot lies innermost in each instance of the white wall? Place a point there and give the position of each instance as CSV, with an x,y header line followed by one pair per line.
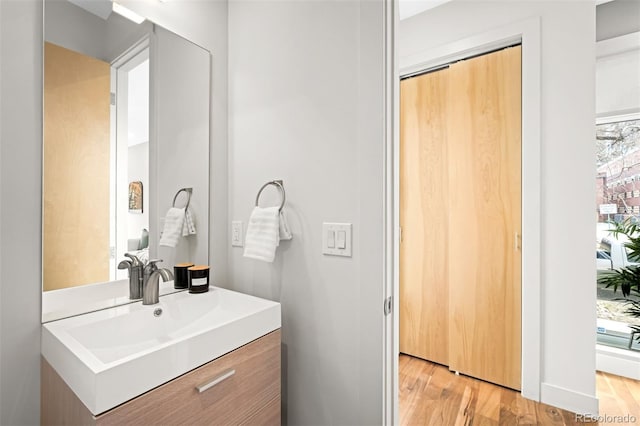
x,y
618,83
306,106
21,156
567,165
20,192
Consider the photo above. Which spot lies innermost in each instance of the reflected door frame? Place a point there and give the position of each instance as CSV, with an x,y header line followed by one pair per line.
x,y
120,67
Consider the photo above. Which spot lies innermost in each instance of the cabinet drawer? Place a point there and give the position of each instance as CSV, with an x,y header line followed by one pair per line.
x,y
269,415
233,388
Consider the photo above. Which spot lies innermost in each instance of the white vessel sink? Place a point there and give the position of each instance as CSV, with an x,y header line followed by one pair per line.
x,y
110,356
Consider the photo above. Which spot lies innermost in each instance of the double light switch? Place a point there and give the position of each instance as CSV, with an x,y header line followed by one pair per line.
x,y
336,239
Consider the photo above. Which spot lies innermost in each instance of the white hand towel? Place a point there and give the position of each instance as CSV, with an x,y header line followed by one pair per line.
x,y
189,226
285,232
262,234
173,223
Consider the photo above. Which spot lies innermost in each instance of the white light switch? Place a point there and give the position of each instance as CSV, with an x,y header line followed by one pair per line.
x,y
331,239
336,239
236,233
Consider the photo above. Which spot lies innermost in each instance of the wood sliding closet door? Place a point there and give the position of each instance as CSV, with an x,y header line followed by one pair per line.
x,y
484,132
460,213
424,217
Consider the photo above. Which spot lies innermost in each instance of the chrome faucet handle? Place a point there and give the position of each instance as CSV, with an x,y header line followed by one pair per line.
x,y
151,265
125,264
134,259
148,269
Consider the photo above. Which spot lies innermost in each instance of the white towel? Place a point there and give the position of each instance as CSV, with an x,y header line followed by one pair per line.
x,y
189,226
285,232
263,234
173,224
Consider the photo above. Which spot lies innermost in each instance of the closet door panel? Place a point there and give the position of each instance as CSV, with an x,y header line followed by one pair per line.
x,y
76,155
484,135
424,313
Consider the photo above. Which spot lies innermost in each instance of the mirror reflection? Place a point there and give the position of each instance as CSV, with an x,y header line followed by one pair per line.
x,y
126,126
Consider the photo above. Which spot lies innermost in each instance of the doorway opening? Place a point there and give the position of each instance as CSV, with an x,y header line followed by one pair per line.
x,y
129,204
526,33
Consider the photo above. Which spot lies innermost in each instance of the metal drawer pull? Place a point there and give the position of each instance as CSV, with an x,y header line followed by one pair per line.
x,y
215,381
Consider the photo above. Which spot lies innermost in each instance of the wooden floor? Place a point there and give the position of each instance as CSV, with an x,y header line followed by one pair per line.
x,y
618,396
430,394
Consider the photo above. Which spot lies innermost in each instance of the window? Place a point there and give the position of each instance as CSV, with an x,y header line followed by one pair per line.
x,y
618,164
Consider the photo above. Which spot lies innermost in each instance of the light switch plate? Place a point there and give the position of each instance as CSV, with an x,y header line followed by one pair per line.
x,y
336,229
236,233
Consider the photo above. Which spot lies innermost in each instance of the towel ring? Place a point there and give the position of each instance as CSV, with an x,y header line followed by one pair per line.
x,y
277,183
189,191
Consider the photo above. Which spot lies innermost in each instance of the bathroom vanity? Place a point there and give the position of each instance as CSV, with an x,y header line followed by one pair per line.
x,y
249,396
211,358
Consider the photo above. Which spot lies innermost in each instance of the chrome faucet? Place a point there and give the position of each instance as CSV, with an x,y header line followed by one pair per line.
x,y
135,268
151,285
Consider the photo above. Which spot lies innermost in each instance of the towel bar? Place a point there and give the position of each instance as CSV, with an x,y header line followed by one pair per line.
x,y
279,185
189,191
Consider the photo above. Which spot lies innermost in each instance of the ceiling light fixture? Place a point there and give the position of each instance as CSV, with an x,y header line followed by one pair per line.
x,y
127,13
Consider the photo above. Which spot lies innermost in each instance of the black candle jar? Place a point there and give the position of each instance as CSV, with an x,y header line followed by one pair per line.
x,y
181,275
198,279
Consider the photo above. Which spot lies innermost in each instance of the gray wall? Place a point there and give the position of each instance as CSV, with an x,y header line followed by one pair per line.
x,y
305,105
617,18
179,74
72,27
20,192
205,23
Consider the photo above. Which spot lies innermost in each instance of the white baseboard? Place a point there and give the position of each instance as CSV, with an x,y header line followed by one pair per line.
x,y
566,399
616,361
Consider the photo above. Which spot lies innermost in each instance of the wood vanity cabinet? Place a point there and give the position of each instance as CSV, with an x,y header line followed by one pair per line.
x,y
248,396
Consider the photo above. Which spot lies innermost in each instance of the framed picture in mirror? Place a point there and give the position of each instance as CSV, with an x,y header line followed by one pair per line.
x,y
135,197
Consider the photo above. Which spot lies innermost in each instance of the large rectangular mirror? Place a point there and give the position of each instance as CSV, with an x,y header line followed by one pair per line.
x,y
126,127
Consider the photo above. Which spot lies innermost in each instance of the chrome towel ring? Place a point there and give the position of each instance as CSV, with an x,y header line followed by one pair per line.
x,y
189,191
279,185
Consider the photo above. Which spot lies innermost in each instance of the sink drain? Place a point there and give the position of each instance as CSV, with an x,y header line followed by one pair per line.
x,y
157,312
